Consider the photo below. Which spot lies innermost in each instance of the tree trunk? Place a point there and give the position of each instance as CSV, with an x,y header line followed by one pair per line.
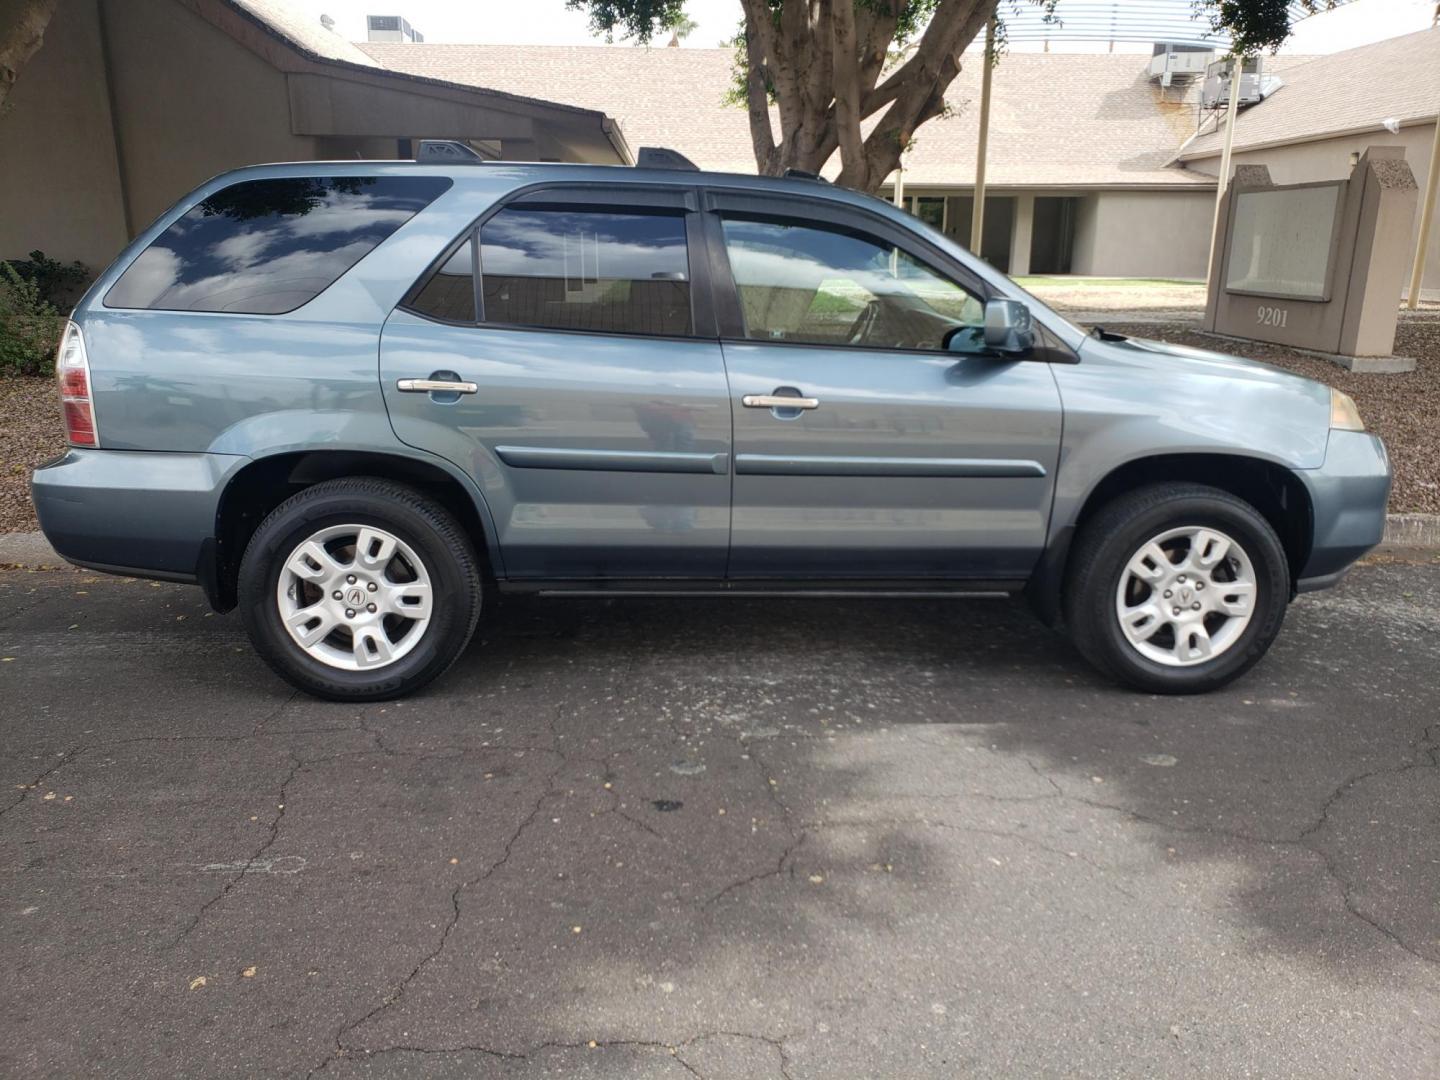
x,y
22,31
822,59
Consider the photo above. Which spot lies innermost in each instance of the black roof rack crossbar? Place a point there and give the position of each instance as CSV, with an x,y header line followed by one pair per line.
x,y
804,174
662,157
447,152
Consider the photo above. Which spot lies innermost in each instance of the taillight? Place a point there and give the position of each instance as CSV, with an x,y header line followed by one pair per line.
x,y
72,367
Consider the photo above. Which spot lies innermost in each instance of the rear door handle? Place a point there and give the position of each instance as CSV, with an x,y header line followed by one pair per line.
x,y
778,401
435,386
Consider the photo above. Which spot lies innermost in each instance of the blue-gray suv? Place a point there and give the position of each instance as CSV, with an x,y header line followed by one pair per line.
x,y
356,399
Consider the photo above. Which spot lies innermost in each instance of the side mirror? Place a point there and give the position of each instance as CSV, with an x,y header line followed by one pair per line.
x,y
1009,330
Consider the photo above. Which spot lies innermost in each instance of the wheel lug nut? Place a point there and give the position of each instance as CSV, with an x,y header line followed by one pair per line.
x,y
1168,593
1176,611
1199,585
372,608
349,612
337,595
1181,579
1195,607
351,578
371,586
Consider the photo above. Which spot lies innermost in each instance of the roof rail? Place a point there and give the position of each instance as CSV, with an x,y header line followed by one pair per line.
x,y
804,174
662,157
447,152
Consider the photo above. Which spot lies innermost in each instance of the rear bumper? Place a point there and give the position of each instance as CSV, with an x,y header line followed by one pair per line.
x,y
1348,495
137,513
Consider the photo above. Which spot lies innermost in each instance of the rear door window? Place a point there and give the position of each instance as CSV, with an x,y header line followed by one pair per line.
x,y
265,247
616,272
449,293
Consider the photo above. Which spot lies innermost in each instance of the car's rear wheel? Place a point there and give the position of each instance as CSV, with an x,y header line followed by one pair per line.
x,y
1176,588
359,589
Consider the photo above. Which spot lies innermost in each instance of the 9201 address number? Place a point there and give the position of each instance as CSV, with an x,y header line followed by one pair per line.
x,y
1271,316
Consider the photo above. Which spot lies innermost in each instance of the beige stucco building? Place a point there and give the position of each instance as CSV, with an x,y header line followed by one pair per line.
x,y
1094,167
1331,110
129,105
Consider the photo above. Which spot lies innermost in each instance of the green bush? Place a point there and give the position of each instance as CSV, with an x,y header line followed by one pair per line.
x,y
30,327
60,284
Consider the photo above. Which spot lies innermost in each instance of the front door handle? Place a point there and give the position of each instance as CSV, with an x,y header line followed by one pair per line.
x,y
435,386
778,401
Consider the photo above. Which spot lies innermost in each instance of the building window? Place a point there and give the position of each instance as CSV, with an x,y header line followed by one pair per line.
x,y
590,270
819,286
264,247
930,210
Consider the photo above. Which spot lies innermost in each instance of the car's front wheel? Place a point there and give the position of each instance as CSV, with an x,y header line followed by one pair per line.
x,y
1176,588
359,589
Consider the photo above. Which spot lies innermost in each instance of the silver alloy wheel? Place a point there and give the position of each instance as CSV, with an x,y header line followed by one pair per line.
x,y
354,597
1186,596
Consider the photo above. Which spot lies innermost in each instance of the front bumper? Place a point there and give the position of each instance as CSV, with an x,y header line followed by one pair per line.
x,y
1348,495
139,513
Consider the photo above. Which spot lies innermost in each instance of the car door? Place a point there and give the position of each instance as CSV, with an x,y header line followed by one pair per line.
x,y
558,354
898,459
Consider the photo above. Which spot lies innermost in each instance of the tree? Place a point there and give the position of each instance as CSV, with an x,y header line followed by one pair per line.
x,y
22,31
833,68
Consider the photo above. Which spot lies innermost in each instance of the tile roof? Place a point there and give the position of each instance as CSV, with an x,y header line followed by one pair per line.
x,y
1057,119
1344,92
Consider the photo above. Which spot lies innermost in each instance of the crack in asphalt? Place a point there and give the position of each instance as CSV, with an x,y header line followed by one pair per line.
x,y
296,764
776,1043
1427,744
65,759
398,992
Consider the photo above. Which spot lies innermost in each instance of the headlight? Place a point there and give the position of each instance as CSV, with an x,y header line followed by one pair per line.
x,y
1343,414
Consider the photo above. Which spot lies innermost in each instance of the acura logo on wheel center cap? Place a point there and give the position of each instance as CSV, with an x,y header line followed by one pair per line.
x,y
355,597
1185,595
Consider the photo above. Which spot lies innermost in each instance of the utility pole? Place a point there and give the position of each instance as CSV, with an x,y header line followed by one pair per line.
x,y
1427,216
1237,71
977,215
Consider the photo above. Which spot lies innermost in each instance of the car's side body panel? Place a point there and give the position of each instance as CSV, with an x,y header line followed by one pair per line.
x,y
1130,400
594,456
599,455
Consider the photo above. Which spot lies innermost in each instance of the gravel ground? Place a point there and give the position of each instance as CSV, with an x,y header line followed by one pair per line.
x,y
30,433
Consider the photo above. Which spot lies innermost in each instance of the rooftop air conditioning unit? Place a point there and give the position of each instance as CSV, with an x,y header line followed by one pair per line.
x,y
390,28
1255,85
1185,62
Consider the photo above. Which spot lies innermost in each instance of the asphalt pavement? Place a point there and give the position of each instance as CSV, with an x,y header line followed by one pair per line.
x,y
677,838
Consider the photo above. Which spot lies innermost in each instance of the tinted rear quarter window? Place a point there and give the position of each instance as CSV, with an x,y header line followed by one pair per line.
x,y
265,247
586,270
449,293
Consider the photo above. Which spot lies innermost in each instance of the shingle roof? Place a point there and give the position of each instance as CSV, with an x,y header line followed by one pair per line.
x,y
1057,120
1344,92
305,32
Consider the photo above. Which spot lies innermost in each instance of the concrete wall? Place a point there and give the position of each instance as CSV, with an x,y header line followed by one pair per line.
x,y
231,106
1143,233
1329,159
129,105
59,184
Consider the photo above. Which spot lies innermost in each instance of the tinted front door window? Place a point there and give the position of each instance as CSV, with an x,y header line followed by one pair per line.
x,y
586,270
830,287
264,247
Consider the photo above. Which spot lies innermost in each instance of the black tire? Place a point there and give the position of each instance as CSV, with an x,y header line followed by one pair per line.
x,y
435,537
1112,537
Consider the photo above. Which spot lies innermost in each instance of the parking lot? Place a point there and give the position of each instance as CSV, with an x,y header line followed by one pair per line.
x,y
677,838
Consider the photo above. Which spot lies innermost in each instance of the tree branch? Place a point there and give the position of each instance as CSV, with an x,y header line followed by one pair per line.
x,y
846,77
